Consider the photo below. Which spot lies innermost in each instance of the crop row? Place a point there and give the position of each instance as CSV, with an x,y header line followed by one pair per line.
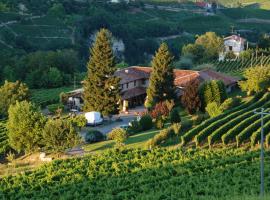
x,y
142,174
220,126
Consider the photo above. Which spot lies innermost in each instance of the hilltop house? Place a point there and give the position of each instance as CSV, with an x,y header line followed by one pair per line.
x,y
135,80
233,43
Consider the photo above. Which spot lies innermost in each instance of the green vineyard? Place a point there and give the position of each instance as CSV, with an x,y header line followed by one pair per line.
x,y
236,67
143,174
239,125
4,146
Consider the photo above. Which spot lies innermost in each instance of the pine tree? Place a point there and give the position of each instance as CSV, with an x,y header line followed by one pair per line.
x,y
161,84
101,87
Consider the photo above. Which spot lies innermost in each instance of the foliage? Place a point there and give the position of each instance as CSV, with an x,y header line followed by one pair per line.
x,y
11,92
257,79
101,79
230,55
135,127
175,116
195,51
55,107
146,122
161,86
25,124
176,128
4,144
213,109
78,121
160,122
59,135
212,91
190,97
178,168
119,135
94,136
230,103
199,118
162,108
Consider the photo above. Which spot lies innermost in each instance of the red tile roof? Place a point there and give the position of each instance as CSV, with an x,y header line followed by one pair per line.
x,y
182,77
235,37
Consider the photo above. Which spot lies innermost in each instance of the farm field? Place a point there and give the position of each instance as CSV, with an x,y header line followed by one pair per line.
x,y
4,146
237,67
238,125
159,174
45,97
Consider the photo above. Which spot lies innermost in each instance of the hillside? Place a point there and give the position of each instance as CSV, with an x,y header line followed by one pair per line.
x,y
137,174
238,125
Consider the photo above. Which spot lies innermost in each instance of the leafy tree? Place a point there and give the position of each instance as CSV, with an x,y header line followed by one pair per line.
x,y
11,92
119,135
59,135
25,125
101,87
212,44
161,84
57,10
53,78
257,79
196,51
190,97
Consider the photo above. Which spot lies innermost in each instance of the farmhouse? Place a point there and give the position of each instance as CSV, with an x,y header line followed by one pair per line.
x,y
135,80
233,43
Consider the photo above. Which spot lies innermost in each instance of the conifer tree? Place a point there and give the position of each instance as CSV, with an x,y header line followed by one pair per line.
x,y
161,83
101,87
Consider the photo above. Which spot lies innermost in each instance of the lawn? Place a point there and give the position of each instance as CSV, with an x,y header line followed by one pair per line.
x,y
135,141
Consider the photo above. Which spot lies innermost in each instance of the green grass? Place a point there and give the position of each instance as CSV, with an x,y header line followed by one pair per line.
x,y
136,141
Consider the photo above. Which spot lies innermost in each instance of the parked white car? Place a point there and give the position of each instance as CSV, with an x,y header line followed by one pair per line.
x,y
93,118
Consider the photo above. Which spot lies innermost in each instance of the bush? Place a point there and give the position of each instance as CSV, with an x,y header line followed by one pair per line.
x,y
161,137
119,135
94,136
230,103
160,109
59,135
199,118
53,108
160,122
176,128
146,122
134,127
174,116
213,109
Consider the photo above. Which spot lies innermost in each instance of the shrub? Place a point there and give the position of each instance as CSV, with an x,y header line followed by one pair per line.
x,y
160,122
134,127
59,135
174,116
160,109
53,108
176,128
213,109
94,136
119,135
160,137
230,103
199,118
146,122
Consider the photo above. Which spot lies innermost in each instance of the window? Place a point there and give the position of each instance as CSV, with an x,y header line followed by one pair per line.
x,y
127,85
135,83
230,48
143,81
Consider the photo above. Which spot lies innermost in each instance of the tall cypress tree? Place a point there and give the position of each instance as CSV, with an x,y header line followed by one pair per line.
x,y
161,83
101,87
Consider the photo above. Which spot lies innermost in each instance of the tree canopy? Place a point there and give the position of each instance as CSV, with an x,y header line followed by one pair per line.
x,y
101,87
161,83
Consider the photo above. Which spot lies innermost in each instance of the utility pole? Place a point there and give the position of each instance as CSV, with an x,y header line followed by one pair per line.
x,y
262,113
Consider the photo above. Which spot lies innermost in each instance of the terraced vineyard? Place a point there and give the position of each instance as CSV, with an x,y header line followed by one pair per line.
x,y
239,125
3,138
236,67
143,174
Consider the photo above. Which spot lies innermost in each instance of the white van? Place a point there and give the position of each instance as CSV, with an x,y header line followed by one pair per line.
x,y
93,118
